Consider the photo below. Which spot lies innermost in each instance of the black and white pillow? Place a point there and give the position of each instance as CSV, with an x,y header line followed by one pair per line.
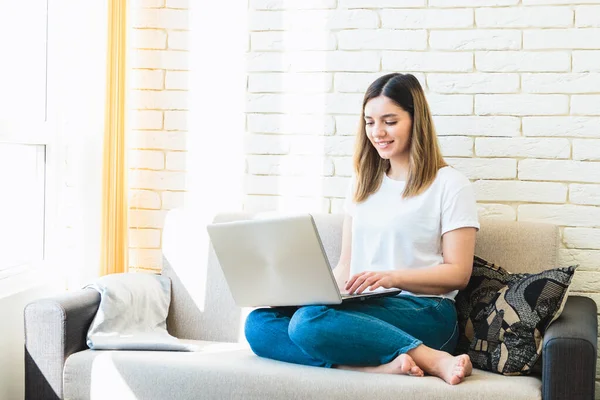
x,y
502,317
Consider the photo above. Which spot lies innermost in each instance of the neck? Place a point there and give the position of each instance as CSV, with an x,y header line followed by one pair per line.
x,y
398,169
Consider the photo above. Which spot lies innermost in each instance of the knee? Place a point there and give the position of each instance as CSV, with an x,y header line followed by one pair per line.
x,y
307,325
255,329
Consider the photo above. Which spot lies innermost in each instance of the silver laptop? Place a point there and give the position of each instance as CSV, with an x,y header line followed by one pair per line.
x,y
278,261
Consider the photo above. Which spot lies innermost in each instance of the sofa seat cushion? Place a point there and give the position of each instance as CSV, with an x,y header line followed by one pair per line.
x,y
229,371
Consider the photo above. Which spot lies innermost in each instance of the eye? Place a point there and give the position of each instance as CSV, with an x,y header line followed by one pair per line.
x,y
369,123
390,123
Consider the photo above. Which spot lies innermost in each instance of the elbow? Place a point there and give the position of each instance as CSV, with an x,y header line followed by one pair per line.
x,y
462,285
464,280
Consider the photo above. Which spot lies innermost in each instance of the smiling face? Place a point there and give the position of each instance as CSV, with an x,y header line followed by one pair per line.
x,y
388,127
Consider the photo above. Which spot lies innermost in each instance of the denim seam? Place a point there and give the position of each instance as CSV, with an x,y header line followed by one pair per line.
x,y
434,306
439,304
451,336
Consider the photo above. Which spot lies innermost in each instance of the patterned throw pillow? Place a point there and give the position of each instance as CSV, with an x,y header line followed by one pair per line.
x,y
502,317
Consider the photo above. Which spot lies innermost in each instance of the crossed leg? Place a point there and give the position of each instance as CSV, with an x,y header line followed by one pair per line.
x,y
343,337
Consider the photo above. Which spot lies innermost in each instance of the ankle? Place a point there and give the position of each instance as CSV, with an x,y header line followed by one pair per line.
x,y
428,359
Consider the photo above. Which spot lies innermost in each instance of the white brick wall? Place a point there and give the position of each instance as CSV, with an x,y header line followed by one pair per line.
x,y
308,82
158,102
580,38
584,194
477,125
426,18
526,61
522,147
177,80
524,17
473,83
514,86
586,61
509,85
426,61
480,39
586,104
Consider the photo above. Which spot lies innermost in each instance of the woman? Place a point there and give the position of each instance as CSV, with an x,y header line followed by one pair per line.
x,y
410,223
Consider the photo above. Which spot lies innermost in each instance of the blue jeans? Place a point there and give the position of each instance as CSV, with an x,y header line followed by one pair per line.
x,y
371,332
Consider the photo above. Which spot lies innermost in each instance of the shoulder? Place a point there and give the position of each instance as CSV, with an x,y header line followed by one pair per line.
x,y
451,175
452,178
450,181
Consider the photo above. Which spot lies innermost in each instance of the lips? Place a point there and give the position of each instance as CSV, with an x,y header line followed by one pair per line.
x,y
383,144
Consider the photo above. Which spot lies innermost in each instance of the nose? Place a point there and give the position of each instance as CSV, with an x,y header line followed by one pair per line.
x,y
378,130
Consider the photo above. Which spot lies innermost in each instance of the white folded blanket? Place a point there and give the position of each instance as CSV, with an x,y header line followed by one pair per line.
x,y
133,314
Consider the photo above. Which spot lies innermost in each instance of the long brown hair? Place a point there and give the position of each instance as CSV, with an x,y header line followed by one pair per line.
x,y
425,156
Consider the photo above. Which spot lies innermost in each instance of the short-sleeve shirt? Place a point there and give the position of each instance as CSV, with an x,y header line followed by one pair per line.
x,y
394,233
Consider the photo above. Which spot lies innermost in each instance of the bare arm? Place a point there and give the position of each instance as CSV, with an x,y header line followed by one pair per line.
x,y
342,269
458,248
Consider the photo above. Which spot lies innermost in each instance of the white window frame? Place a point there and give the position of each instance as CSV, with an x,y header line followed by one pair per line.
x,y
38,134
42,133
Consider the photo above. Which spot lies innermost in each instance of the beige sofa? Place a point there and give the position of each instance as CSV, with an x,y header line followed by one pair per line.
x,y
59,365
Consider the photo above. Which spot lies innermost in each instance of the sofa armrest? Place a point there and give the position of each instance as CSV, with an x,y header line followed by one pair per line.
x,y
55,328
569,352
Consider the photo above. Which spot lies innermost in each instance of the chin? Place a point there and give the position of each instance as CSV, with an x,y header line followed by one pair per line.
x,y
386,156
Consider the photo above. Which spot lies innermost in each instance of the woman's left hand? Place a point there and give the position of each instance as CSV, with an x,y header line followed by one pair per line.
x,y
371,279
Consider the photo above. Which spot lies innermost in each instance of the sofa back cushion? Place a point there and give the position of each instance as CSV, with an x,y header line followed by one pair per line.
x,y
209,313
519,247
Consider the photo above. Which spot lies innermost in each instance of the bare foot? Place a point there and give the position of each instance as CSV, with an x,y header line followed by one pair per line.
x,y
401,365
453,369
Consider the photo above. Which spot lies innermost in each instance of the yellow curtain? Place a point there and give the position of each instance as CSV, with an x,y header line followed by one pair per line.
x,y
114,246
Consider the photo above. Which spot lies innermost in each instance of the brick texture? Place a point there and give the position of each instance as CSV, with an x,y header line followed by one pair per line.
x,y
158,103
514,90
513,85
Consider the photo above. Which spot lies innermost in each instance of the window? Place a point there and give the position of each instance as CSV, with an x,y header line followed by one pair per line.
x,y
22,179
26,138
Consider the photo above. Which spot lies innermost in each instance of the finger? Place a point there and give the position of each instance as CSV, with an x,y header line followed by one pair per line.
x,y
355,286
368,282
362,288
376,282
359,281
351,281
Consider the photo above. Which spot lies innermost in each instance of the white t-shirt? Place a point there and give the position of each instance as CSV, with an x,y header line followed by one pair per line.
x,y
392,233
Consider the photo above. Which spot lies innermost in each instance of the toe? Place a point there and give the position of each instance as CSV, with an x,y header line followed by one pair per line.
x,y
455,380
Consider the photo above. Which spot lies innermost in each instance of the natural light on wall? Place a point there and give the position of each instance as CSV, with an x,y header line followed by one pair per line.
x,y
286,112
307,195
217,88
215,161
